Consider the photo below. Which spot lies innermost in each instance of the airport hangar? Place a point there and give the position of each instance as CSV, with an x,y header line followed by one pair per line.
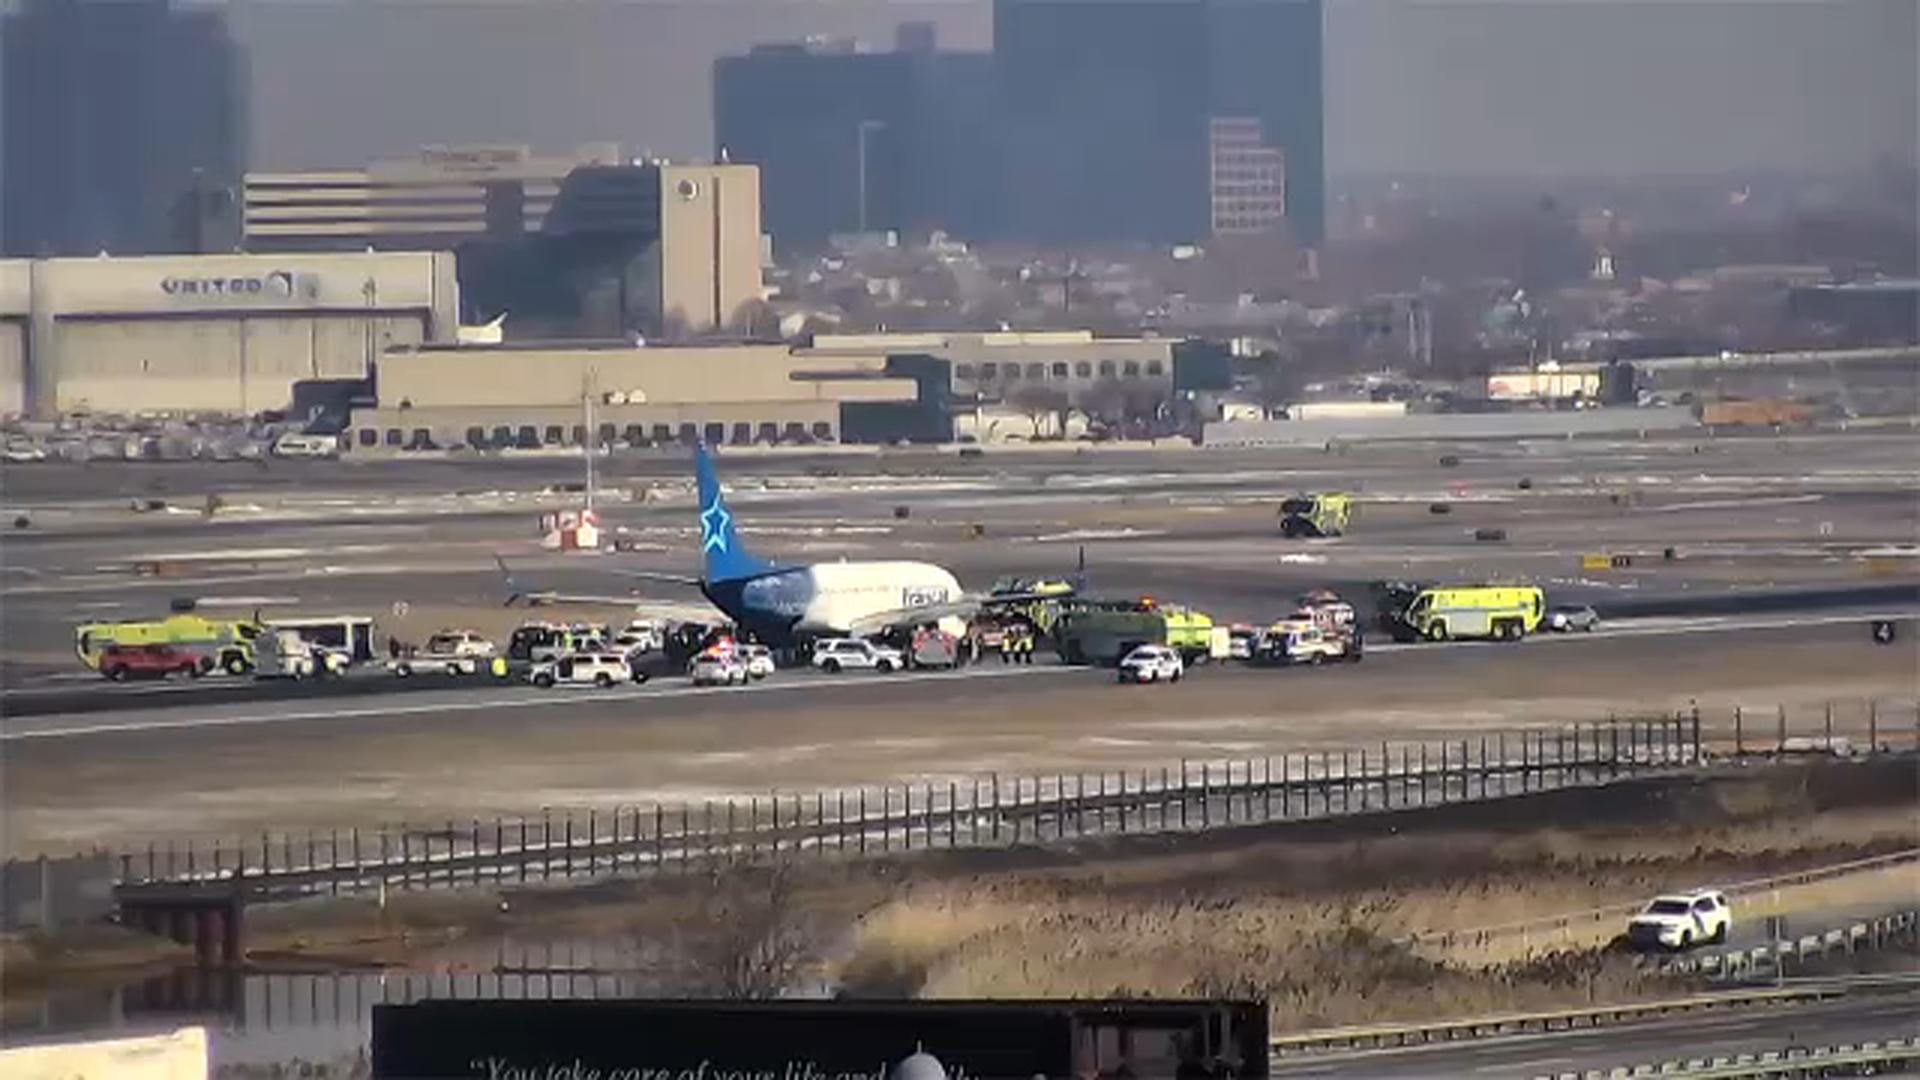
x,y
236,334
227,334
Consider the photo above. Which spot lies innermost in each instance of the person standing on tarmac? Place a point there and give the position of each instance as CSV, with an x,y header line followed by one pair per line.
x,y
1007,645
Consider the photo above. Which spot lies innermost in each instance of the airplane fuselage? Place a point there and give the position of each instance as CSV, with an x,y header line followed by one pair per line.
x,y
825,599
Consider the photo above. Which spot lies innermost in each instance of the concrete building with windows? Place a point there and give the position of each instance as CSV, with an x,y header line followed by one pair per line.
x,y
991,367
1247,181
439,198
122,128
537,396
587,246
212,333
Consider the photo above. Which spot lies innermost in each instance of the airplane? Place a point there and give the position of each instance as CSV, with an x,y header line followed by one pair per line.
x,y
787,605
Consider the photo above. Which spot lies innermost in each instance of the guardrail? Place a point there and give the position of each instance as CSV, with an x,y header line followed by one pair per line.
x,y
866,822
1382,1036
1772,961
1564,923
1863,1059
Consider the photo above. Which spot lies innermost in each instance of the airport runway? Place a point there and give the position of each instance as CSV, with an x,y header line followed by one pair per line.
x,y
1765,601
1704,1035
171,771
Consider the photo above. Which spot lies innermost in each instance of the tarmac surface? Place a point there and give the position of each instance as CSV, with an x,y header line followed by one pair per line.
x,y
1764,602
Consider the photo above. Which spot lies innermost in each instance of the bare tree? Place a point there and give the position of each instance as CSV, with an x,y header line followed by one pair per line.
x,y
1105,402
756,941
1039,403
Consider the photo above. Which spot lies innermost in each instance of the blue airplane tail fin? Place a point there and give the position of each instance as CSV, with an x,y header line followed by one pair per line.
x,y
722,555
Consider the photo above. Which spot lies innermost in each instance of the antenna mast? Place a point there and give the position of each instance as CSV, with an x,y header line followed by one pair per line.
x,y
587,444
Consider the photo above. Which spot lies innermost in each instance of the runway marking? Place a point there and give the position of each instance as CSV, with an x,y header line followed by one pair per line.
x,y
531,698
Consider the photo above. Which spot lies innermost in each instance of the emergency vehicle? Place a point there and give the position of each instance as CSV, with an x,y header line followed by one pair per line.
x,y
1101,632
1443,612
1319,515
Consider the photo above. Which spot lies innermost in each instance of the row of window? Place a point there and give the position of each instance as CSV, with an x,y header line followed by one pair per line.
x,y
531,436
1059,369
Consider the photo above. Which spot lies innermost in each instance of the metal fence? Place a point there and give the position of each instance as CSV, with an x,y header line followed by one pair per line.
x,y
863,822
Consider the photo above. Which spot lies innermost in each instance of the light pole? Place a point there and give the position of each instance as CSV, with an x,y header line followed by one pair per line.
x,y
861,152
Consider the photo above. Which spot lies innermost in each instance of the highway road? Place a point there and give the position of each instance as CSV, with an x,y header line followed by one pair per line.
x,y
1703,1035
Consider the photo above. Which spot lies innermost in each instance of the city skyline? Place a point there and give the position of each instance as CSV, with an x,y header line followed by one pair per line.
x,y
1557,88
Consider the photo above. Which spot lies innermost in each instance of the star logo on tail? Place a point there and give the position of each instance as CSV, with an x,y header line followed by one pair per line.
x,y
714,521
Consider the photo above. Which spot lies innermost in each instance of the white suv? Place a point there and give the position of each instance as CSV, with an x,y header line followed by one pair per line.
x,y
834,654
759,660
585,669
459,643
718,669
1151,663
1682,920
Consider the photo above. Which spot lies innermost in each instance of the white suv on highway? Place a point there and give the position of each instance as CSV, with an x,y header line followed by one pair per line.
x,y
1682,920
835,654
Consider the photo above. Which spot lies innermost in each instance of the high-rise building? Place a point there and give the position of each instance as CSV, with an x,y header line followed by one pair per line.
x,y
1104,105
1247,184
830,128
662,249
1108,107
124,128
1264,61
441,197
849,140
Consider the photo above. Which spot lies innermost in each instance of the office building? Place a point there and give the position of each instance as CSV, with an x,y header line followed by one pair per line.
x,y
721,394
124,128
1264,63
586,245
1247,182
209,333
658,249
853,141
1105,106
1109,105
440,197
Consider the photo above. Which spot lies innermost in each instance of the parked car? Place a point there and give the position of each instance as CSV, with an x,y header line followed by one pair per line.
x,y
1241,642
601,669
759,660
1682,920
450,663
122,662
835,654
459,643
1567,618
1151,663
718,669
640,635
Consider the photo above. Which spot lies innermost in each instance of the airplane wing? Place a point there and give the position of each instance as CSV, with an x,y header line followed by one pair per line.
x,y
516,592
663,577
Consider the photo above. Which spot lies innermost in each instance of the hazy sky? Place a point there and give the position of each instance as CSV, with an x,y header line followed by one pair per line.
x,y
1545,87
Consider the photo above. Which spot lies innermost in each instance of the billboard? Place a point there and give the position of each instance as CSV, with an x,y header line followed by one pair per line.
x,y
819,1040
